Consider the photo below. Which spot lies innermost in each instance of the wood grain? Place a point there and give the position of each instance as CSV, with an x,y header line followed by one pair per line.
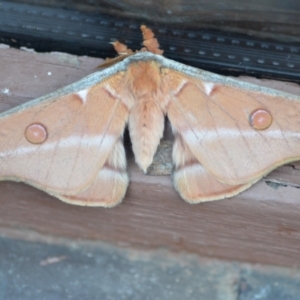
x,y
260,225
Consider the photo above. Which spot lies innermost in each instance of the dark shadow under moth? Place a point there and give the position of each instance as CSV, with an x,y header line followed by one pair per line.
x,y
227,134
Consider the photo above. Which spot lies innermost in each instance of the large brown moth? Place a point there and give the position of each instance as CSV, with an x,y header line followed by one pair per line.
x,y
227,134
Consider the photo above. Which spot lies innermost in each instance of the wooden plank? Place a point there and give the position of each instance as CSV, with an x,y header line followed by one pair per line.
x,y
260,225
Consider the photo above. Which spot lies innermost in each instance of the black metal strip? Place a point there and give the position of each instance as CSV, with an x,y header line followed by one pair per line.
x,y
54,29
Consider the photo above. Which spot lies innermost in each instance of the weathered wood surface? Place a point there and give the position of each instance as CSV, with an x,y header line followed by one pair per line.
x,y
260,225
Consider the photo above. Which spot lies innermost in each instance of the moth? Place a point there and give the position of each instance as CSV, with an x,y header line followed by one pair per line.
x,y
227,134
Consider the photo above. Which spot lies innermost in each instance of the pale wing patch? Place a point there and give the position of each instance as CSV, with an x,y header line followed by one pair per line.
x,y
107,190
208,86
226,160
180,87
70,142
83,95
110,185
112,92
194,183
194,136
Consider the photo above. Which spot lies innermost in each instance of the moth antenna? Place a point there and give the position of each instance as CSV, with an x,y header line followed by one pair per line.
x,y
121,49
123,52
150,42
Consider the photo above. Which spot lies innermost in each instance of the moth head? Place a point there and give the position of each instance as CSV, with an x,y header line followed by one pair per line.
x,y
150,44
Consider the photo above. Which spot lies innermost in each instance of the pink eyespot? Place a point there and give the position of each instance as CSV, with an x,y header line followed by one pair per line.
x,y
36,133
260,119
